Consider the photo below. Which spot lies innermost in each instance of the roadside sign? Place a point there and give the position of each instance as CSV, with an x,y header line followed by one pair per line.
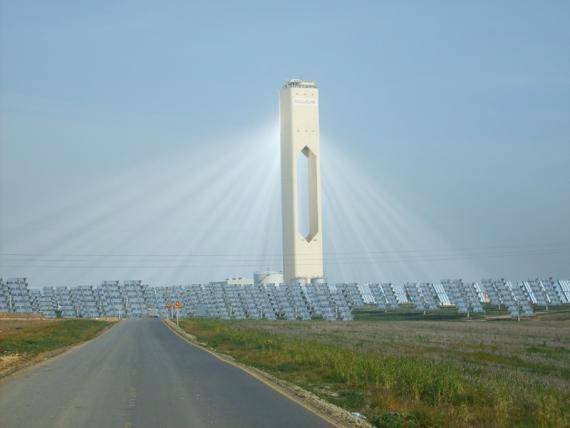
x,y
177,306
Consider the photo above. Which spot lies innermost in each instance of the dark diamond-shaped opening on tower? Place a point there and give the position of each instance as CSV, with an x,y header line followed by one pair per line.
x,y
307,223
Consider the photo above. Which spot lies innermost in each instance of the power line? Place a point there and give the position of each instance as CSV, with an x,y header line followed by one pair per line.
x,y
490,248
238,264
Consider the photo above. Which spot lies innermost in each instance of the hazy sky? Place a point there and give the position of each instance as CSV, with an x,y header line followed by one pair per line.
x,y
456,111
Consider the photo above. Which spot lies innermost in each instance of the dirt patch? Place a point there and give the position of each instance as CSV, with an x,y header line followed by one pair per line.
x,y
16,325
14,316
7,361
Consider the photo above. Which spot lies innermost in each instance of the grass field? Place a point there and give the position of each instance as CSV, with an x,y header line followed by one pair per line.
x,y
419,372
22,340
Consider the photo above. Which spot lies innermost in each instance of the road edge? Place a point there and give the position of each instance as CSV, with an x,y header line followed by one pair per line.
x,y
49,356
331,413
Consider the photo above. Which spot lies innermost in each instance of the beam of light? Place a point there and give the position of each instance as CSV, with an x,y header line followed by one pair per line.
x,y
364,226
119,219
101,216
375,221
199,201
213,211
238,209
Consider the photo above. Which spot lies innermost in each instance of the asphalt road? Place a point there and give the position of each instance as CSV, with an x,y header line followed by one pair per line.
x,y
140,374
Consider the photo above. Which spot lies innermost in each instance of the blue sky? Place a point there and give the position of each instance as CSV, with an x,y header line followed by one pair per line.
x,y
458,109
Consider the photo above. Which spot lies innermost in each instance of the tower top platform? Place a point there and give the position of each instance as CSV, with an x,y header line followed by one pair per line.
x,y
300,83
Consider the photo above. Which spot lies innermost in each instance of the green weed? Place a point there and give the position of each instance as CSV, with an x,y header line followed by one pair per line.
x,y
30,342
391,390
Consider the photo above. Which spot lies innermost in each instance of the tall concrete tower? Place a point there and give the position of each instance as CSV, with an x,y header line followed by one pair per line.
x,y
302,244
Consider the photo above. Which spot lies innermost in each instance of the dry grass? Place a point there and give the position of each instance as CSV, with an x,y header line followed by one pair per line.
x,y
10,326
415,373
530,348
23,340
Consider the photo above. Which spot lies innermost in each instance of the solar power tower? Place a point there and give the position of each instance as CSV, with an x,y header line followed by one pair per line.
x,y
302,243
